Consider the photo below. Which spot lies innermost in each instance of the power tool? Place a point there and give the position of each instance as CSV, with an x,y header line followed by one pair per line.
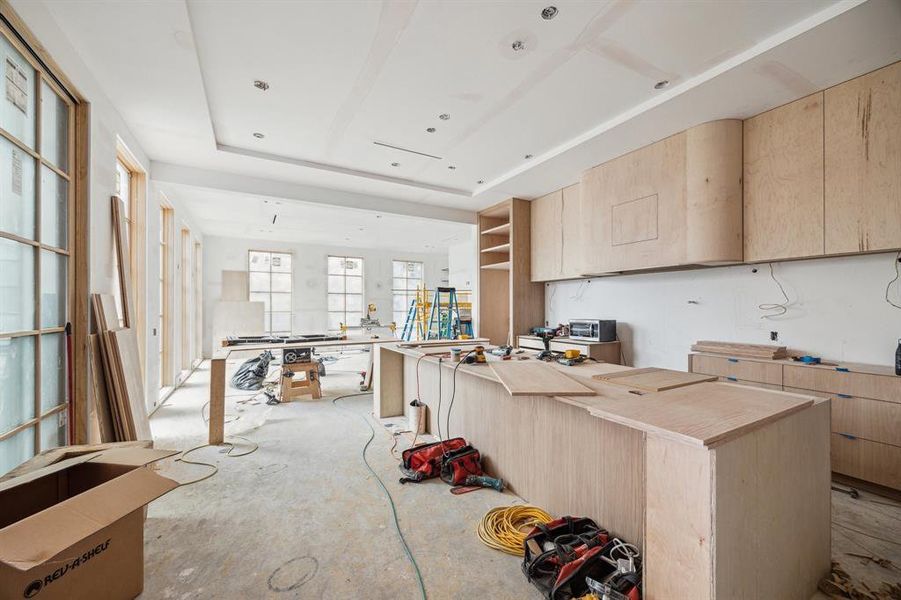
x,y
571,358
485,481
502,350
546,334
476,355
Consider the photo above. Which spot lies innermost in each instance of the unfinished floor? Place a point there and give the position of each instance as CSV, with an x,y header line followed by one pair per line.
x,y
301,517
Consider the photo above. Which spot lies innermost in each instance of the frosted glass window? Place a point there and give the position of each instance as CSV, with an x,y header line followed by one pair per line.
x,y
407,277
54,209
54,128
17,105
17,193
53,289
345,291
53,371
271,280
53,430
16,286
16,449
17,381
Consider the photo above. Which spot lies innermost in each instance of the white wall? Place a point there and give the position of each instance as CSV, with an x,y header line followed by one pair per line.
x,y
310,300
837,311
106,129
463,270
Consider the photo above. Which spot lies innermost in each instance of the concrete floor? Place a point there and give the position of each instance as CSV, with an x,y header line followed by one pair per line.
x,y
301,517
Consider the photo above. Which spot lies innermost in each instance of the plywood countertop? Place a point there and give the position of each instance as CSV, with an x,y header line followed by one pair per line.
x,y
704,414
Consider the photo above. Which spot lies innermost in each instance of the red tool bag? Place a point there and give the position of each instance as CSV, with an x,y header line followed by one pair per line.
x,y
560,555
424,462
457,465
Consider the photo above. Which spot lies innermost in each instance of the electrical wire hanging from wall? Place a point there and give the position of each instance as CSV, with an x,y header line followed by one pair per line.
x,y
889,285
778,308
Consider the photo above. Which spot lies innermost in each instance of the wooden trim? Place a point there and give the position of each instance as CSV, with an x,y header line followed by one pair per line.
x,y
165,332
18,238
198,304
186,269
79,242
137,243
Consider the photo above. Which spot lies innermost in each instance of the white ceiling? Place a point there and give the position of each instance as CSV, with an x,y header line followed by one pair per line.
x,y
238,215
345,74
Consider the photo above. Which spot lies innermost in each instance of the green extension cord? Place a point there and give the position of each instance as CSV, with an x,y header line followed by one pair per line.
x,y
400,534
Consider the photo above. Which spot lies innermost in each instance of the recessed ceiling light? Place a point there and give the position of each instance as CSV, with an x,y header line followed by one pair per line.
x,y
480,181
661,84
431,130
378,216
451,167
261,85
258,135
395,164
518,45
444,116
549,13
528,156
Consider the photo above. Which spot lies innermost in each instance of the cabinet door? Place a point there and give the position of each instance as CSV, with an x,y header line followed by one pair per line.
x,y
572,251
592,219
547,231
863,163
783,181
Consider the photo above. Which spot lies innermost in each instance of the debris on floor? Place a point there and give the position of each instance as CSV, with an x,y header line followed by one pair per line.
x,y
840,585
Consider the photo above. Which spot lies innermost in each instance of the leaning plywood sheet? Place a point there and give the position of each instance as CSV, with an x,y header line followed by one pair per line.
x,y
739,349
235,286
100,406
653,379
125,345
238,318
706,414
534,378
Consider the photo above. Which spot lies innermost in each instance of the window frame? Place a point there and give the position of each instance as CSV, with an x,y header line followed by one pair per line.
x,y
75,308
267,327
137,248
408,294
165,287
362,294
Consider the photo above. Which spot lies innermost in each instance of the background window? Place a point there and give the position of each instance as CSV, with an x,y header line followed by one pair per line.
x,y
269,274
345,291
163,323
407,277
123,191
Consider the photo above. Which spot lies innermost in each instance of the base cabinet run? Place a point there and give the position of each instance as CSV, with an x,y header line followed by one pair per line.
x,y
866,408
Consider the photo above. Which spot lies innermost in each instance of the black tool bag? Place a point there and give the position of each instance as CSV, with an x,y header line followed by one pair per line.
x,y
561,554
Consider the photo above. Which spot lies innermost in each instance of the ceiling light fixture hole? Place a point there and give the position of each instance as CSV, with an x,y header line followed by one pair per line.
x,y
395,164
258,135
480,181
661,84
452,167
431,130
444,116
528,156
260,85
549,13
518,45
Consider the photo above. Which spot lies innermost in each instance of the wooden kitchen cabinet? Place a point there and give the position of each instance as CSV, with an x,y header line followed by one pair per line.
x,y
783,182
547,236
863,163
675,202
556,235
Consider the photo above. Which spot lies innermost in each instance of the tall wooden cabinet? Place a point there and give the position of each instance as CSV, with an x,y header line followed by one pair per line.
x,y
557,251
783,181
863,163
509,302
675,202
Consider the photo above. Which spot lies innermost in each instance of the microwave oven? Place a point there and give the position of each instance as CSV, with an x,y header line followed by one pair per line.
x,y
592,330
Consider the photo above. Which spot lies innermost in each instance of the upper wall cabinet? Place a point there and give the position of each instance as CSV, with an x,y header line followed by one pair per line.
x,y
675,202
556,235
547,236
863,163
783,181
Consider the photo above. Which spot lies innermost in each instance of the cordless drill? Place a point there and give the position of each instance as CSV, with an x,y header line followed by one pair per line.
x,y
546,334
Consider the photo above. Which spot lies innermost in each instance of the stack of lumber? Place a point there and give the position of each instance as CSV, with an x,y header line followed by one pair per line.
x,y
743,350
116,373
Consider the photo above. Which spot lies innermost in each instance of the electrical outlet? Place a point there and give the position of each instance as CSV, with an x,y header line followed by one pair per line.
x,y
774,336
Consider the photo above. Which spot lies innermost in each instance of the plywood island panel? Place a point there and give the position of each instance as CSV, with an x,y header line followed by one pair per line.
x,y
700,496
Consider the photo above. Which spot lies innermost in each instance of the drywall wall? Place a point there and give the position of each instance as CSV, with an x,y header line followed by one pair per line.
x,y
837,308
463,270
309,277
107,131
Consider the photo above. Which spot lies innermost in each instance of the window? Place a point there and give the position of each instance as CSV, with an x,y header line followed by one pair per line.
x,y
345,291
407,277
36,236
164,282
130,189
198,301
123,191
187,315
269,277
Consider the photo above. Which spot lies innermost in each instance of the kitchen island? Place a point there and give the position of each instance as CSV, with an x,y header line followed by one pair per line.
x,y
726,488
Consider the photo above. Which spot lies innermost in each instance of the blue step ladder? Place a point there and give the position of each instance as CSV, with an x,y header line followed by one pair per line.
x,y
444,322
410,323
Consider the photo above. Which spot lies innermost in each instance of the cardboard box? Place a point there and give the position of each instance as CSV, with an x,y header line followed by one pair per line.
x,y
75,529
